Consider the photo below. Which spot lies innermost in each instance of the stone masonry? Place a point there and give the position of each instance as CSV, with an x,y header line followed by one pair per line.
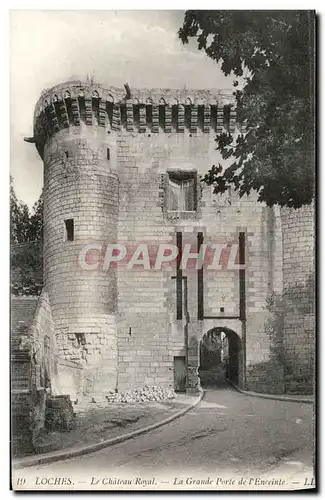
x,y
299,297
107,164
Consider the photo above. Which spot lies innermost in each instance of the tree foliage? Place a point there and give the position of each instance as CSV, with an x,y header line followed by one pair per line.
x,y
26,235
271,54
19,218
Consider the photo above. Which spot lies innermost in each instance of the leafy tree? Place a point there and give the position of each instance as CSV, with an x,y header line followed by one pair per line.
x,y
36,220
271,54
19,218
26,233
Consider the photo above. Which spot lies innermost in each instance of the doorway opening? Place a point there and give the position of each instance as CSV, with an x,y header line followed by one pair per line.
x,y
220,358
179,374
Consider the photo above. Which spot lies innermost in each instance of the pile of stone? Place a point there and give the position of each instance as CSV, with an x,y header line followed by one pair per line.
x,y
142,394
59,414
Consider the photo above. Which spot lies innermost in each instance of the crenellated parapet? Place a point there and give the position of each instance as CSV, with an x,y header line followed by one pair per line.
x,y
138,110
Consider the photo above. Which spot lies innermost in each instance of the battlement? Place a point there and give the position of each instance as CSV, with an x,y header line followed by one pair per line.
x,y
135,110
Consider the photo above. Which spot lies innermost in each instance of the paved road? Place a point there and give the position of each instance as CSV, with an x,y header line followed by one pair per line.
x,y
228,435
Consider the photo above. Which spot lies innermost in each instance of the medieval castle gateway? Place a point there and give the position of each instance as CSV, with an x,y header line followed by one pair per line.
x,y
126,167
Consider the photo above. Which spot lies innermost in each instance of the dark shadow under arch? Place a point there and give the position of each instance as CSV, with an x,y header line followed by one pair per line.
x,y
220,359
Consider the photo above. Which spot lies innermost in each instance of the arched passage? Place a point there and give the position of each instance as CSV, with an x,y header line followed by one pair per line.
x,y
220,357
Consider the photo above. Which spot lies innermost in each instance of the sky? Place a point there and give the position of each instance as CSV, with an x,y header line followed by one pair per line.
x,y
49,47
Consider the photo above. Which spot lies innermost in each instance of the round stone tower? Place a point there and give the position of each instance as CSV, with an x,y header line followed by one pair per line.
x,y
74,137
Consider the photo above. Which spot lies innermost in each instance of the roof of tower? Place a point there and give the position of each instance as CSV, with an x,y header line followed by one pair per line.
x,y
116,95
155,110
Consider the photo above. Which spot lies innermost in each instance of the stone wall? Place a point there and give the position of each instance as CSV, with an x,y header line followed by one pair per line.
x,y
147,326
299,297
33,368
107,157
38,376
22,313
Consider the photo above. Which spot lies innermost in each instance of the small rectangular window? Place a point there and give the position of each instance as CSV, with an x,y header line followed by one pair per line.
x,y
69,229
108,154
181,191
